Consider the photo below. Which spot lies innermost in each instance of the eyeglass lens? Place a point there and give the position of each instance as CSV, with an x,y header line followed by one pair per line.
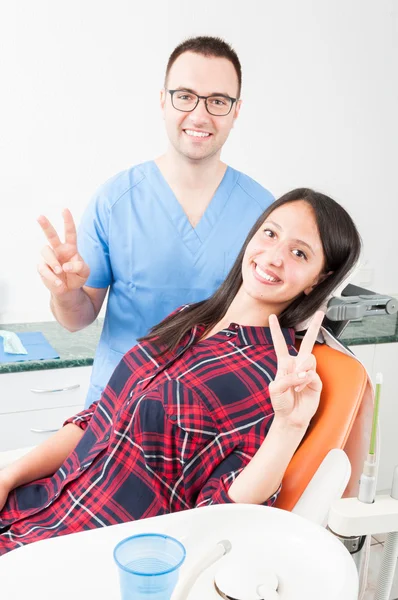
x,y
216,105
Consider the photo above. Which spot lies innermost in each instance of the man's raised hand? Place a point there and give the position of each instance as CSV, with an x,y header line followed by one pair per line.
x,y
62,269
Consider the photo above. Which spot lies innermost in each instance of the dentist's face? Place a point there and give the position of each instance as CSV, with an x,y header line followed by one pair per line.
x,y
284,258
198,135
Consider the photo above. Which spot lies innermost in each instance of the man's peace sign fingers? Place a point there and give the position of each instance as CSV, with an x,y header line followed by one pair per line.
x,y
49,231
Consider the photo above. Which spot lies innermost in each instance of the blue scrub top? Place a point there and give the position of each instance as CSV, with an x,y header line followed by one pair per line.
x,y
137,240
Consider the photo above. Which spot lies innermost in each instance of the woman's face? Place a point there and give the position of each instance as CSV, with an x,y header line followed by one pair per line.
x,y
285,257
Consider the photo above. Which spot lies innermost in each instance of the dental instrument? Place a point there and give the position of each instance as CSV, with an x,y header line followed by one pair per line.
x,y
368,480
184,585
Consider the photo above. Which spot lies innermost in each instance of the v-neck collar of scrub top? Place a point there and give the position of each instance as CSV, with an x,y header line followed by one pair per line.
x,y
193,237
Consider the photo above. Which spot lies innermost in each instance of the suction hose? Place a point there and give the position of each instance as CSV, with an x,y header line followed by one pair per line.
x,y
387,570
184,585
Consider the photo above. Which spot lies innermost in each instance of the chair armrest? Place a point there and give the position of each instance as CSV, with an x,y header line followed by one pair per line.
x,y
327,485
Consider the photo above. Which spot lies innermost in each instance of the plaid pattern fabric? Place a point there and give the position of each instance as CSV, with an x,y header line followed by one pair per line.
x,y
169,433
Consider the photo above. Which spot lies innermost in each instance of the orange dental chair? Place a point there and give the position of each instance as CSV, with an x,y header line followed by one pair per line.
x,y
343,421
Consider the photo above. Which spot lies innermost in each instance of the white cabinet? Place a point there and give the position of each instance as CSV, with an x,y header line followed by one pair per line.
x,y
34,404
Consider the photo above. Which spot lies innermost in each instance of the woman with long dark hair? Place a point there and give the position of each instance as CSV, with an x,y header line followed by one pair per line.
x,y
211,405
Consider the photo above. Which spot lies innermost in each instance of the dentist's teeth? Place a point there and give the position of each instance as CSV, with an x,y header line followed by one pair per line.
x,y
196,133
265,275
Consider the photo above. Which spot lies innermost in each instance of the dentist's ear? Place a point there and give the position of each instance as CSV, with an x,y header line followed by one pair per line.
x,y
237,111
321,278
162,99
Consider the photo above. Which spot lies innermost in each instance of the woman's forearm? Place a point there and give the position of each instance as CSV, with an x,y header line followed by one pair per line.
x,y
263,475
43,460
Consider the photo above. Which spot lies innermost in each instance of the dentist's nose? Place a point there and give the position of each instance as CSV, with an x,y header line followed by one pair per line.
x,y
199,115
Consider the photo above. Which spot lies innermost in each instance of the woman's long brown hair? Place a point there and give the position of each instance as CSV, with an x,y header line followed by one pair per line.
x,y
341,247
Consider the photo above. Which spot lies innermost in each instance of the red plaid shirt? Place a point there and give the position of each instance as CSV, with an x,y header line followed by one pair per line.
x,y
169,433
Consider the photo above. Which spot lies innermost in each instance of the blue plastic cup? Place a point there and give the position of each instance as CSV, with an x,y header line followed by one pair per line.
x,y
148,566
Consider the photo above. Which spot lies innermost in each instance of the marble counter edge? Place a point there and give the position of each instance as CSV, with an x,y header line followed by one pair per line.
x,y
42,365
75,349
78,349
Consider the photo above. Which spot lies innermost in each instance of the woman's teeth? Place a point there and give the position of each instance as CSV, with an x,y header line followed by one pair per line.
x,y
196,133
265,275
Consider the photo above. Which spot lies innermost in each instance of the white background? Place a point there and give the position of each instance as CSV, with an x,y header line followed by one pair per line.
x,y
79,101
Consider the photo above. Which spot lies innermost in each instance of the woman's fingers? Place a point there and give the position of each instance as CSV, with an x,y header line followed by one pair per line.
x,y
309,339
291,380
297,381
308,364
312,381
277,338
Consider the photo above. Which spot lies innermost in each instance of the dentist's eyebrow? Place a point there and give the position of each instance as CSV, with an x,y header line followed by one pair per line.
x,y
182,88
300,242
185,89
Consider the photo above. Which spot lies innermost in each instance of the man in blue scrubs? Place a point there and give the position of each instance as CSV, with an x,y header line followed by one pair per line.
x,y
165,232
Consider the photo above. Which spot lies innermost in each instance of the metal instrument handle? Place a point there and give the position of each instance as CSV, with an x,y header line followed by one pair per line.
x,y
44,430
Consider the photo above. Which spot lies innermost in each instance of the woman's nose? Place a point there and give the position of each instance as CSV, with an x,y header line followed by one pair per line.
x,y
275,256
277,262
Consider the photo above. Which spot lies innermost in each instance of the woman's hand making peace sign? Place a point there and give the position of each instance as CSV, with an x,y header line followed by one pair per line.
x,y
296,390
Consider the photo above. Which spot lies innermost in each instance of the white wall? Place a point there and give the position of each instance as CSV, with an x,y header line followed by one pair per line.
x,y
80,83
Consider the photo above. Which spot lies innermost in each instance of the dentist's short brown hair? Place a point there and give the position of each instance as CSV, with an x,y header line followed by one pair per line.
x,y
207,46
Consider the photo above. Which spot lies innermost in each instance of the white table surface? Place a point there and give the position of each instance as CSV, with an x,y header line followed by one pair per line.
x,y
79,566
309,561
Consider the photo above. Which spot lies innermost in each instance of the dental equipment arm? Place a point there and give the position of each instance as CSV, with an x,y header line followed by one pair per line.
x,y
356,303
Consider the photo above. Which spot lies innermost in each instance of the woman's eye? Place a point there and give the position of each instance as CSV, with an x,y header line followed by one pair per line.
x,y
269,233
300,254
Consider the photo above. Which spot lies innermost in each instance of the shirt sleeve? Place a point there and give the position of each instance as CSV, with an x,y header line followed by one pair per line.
x,y
83,418
215,490
93,239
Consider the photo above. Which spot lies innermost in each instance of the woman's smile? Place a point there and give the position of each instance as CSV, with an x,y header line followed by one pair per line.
x,y
265,276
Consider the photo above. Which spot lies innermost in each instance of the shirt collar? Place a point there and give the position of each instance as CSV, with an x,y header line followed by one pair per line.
x,y
243,335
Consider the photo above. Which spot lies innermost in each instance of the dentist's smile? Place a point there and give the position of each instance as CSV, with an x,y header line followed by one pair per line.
x,y
197,134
